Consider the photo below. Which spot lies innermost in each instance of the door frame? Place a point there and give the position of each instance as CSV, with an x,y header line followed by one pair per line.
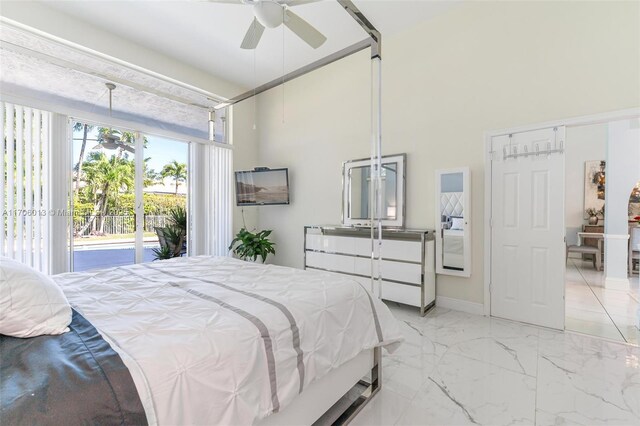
x,y
584,120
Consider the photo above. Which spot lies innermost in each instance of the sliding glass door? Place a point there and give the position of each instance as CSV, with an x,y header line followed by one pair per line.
x,y
165,198
120,176
103,197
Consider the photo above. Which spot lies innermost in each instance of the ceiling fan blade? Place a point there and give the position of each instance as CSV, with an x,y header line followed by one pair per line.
x,y
109,145
128,148
304,30
252,37
226,1
292,3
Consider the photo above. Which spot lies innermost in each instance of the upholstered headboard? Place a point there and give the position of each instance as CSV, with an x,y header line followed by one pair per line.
x,y
451,204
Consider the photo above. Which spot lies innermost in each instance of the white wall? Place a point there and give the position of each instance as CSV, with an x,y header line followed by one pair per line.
x,y
582,143
481,66
245,157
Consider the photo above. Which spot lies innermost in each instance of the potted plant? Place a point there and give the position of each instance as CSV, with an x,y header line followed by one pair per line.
x,y
172,238
593,216
248,246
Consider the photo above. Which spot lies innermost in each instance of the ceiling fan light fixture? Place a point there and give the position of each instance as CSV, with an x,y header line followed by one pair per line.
x,y
268,13
274,13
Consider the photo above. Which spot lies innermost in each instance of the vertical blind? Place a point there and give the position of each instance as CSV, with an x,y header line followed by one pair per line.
x,y
24,173
221,199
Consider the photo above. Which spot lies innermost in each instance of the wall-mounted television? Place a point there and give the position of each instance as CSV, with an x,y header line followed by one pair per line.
x,y
262,187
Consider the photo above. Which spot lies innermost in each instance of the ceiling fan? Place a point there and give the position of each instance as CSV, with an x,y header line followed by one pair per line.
x,y
272,14
111,140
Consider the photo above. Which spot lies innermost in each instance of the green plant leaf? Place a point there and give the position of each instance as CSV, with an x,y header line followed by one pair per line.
x,y
162,253
249,245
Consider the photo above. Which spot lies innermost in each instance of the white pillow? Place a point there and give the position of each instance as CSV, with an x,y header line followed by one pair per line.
x,y
457,223
31,303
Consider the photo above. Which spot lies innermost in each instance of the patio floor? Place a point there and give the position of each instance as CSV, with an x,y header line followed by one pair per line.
x,y
86,259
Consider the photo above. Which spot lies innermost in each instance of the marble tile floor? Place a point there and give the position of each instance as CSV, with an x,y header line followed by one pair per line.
x,y
456,368
592,309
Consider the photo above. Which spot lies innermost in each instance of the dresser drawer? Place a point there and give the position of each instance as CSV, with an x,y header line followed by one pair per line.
x,y
331,243
409,251
401,293
331,262
397,271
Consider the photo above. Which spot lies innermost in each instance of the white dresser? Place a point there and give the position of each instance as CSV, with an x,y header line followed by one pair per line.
x,y
407,266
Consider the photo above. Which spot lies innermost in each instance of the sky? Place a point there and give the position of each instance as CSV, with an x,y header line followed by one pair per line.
x,y
160,150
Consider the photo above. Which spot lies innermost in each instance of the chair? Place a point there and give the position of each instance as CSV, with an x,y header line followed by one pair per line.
x,y
634,249
593,251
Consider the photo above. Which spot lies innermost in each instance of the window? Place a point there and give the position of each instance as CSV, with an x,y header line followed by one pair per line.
x,y
129,197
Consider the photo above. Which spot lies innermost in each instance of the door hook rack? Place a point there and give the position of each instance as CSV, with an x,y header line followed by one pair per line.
x,y
535,151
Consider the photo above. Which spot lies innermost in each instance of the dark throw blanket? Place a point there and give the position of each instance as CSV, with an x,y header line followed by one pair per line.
x,y
71,379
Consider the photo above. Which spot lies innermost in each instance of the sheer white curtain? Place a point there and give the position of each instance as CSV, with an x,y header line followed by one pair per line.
x,y
25,177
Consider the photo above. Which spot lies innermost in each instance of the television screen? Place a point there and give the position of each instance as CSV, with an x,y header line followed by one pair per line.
x,y
262,187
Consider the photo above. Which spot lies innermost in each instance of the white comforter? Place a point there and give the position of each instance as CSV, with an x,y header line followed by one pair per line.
x,y
214,340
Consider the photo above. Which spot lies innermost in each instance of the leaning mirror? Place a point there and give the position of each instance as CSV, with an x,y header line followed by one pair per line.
x,y
356,191
453,214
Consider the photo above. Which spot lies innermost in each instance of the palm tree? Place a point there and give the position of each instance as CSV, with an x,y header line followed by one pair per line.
x,y
106,178
176,171
149,175
85,130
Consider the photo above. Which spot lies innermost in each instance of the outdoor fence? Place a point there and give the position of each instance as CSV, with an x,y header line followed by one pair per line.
x,y
115,224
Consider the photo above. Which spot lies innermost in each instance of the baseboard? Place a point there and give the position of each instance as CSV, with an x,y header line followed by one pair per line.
x,y
617,283
460,305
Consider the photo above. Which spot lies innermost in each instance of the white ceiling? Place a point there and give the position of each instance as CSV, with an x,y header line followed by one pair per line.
x,y
207,35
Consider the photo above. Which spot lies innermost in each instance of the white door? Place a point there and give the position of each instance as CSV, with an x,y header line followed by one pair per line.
x,y
527,234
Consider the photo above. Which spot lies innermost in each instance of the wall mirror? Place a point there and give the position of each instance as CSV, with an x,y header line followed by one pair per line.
x,y
453,222
356,191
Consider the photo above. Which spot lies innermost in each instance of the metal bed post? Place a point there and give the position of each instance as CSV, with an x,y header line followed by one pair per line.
x,y
376,140
372,388
376,211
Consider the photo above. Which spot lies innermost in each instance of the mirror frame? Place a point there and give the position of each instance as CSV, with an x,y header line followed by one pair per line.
x,y
398,222
466,199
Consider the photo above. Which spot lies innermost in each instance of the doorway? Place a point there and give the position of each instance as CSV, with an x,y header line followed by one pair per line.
x,y
592,307
129,190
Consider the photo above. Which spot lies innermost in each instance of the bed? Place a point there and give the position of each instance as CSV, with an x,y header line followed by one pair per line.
x,y
215,340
